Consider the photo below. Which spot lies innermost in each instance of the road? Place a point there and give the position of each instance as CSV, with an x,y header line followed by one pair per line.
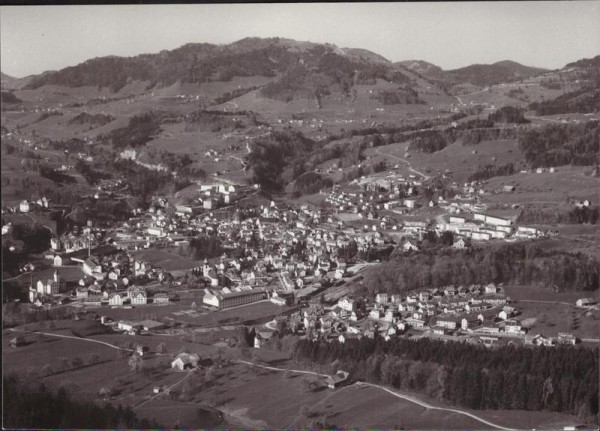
x,y
112,346
470,94
412,399
410,168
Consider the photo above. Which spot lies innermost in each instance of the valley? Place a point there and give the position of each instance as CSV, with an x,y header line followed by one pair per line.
x,y
283,234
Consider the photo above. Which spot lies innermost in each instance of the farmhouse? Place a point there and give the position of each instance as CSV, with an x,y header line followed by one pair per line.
x,y
127,326
586,302
18,341
337,380
185,361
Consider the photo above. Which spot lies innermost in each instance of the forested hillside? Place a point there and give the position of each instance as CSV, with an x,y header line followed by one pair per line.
x,y
508,263
562,144
26,407
510,378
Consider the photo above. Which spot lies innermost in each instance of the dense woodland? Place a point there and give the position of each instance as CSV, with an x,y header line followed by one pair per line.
x,y
509,114
581,101
28,407
476,136
558,379
576,215
311,182
279,158
206,247
562,144
311,72
93,120
515,263
218,121
489,171
140,130
399,96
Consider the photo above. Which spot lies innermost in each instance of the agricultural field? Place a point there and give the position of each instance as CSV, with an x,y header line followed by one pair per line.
x,y
546,188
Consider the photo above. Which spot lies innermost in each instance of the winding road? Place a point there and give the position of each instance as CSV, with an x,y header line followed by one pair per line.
x,y
112,346
397,395
410,168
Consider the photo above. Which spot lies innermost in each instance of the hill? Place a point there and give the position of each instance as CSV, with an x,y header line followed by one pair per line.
x,y
585,63
423,68
485,75
11,83
296,69
482,75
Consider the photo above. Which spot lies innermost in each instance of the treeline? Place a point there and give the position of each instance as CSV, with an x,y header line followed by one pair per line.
x,y
234,94
489,171
39,408
206,247
583,215
141,129
47,114
562,379
217,121
399,96
311,182
9,97
509,114
174,162
474,137
279,158
91,175
36,238
582,101
429,141
144,182
562,144
519,264
55,175
94,120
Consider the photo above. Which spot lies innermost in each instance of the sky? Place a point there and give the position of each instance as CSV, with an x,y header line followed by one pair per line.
x,y
34,39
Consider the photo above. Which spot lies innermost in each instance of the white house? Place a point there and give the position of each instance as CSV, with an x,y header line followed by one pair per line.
x,y
185,361
57,261
347,304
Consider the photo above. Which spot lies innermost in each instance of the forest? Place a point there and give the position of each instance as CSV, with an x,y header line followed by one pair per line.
x,y
581,101
489,171
509,114
429,141
206,247
576,215
29,407
399,96
562,144
311,182
557,379
217,121
141,129
92,120
515,263
279,158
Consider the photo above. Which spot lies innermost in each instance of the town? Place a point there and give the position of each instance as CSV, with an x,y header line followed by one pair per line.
x,y
381,224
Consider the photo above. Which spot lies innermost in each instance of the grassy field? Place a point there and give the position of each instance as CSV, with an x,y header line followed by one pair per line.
x,y
169,261
243,396
550,319
544,294
566,183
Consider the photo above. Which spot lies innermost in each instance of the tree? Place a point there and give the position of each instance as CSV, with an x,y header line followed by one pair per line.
x,y
76,362
94,358
136,363
161,348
